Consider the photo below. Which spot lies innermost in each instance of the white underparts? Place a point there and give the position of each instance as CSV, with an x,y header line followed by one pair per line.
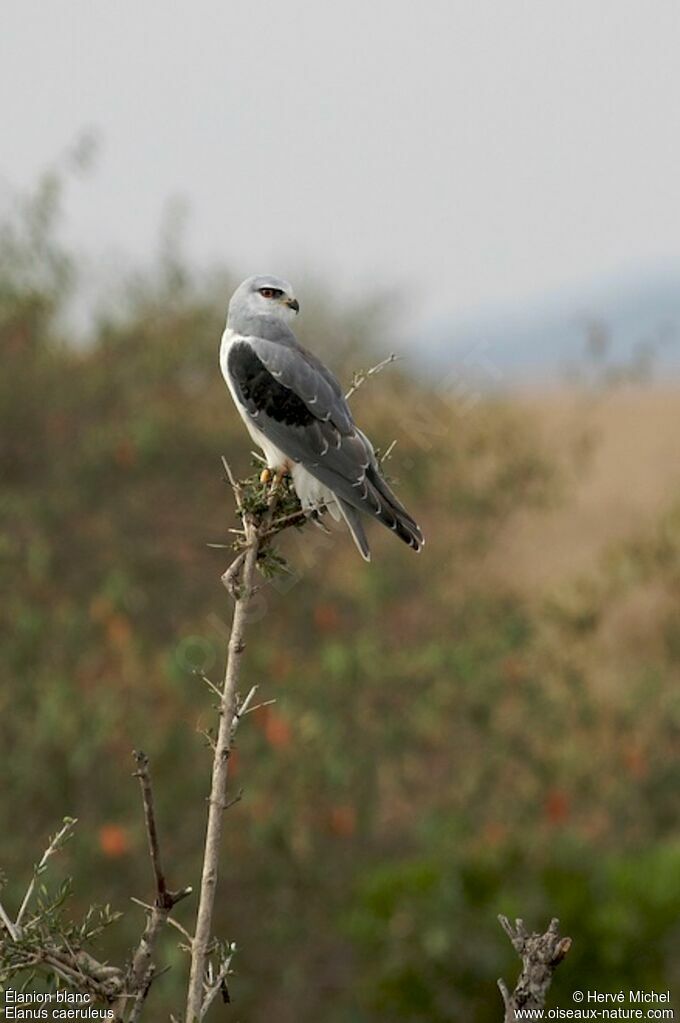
x,y
313,495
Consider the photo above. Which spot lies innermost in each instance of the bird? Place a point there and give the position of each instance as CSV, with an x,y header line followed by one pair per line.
x,y
295,410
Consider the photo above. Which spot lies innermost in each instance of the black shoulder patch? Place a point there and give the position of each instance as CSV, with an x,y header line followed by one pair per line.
x,y
261,392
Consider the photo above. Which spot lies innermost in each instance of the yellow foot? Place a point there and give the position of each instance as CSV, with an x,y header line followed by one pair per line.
x,y
265,476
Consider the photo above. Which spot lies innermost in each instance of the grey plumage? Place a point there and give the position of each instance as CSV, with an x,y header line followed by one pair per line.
x,y
295,409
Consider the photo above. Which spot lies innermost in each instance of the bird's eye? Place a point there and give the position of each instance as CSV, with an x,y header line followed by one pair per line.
x,y
271,292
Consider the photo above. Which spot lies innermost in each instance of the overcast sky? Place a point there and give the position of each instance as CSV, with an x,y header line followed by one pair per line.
x,y
467,153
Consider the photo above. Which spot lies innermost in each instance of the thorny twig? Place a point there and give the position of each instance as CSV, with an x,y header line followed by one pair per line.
x,y
8,922
171,920
296,518
142,970
49,943
55,844
237,490
211,685
242,709
163,898
258,517
258,706
230,577
217,983
239,579
361,377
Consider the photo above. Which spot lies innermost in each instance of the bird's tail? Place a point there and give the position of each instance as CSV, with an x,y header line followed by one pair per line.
x,y
353,520
389,510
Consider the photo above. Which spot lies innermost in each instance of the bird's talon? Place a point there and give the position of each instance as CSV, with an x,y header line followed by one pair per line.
x,y
278,478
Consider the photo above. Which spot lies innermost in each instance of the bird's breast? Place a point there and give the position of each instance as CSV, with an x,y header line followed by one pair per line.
x,y
276,459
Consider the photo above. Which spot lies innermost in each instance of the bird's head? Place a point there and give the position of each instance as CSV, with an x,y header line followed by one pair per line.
x,y
263,296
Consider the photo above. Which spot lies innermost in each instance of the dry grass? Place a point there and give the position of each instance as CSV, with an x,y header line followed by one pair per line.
x,y
621,452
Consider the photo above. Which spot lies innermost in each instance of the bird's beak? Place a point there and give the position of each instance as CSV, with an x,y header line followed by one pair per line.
x,y
293,303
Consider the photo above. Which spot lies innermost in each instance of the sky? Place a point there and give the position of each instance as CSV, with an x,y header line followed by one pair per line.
x,y
463,155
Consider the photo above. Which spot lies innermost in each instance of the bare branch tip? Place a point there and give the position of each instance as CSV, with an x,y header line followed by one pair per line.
x,y
505,993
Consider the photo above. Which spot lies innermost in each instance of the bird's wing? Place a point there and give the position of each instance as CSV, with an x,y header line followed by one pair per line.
x,y
307,377
299,406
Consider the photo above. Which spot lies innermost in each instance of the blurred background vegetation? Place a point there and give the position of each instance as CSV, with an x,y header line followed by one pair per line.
x,y
491,727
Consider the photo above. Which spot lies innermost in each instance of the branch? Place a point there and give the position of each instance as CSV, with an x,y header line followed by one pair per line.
x,y
165,899
4,916
541,954
141,971
230,577
81,971
55,844
245,564
235,486
218,983
50,944
258,500
296,518
362,376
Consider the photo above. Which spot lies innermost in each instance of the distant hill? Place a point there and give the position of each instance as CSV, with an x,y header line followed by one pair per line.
x,y
634,324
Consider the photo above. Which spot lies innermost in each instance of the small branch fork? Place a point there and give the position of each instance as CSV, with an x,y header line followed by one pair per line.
x,y
541,954
142,970
164,899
